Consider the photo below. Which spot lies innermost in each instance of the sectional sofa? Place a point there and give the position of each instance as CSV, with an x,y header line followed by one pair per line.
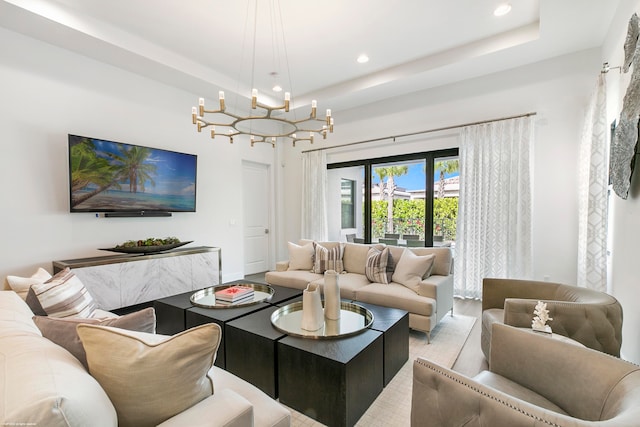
x,y
171,379
418,280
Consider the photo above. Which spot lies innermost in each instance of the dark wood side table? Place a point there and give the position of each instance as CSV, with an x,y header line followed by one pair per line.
x,y
394,324
251,350
333,381
195,316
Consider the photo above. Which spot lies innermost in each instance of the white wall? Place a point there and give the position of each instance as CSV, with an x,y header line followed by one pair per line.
x,y
557,90
625,215
47,93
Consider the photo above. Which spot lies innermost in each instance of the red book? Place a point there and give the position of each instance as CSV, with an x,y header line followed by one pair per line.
x,y
234,293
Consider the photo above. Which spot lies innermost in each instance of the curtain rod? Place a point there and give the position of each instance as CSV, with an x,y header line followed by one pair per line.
x,y
422,132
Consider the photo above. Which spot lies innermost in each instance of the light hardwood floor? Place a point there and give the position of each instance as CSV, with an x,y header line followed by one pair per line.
x,y
471,360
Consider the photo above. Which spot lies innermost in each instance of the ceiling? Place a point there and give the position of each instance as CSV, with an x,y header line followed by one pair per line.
x,y
204,46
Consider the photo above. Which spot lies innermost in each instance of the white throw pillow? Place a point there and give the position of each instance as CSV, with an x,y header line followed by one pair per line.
x,y
300,257
21,285
149,378
410,269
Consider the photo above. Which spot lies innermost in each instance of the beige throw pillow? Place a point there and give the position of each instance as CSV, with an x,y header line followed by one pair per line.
x,y
21,285
300,257
150,378
411,268
379,267
328,259
63,331
63,295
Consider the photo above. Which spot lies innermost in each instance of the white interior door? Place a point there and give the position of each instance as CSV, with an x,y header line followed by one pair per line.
x,y
257,207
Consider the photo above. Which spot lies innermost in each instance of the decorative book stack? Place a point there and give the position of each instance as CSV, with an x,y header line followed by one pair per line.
x,y
234,295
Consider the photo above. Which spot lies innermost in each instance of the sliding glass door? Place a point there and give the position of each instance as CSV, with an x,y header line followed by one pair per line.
x,y
407,200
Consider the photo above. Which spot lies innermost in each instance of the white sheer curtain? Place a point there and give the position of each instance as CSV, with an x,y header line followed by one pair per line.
x,y
314,196
494,213
592,193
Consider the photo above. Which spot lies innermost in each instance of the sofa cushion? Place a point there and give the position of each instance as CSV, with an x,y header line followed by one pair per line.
x,y
397,296
328,258
63,295
266,411
15,316
63,331
44,384
411,268
150,378
355,257
227,407
349,283
442,264
379,265
298,279
21,285
301,257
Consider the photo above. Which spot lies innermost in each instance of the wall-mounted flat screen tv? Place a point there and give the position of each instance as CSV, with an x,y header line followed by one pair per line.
x,y
108,176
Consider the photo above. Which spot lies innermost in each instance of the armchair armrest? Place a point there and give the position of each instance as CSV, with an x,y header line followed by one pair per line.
x,y
495,291
442,397
589,324
282,265
225,408
577,379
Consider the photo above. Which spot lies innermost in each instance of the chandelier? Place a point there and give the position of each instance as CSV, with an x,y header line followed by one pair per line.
x,y
263,123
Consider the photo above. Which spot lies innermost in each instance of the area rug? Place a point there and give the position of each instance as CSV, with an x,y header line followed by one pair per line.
x,y
393,406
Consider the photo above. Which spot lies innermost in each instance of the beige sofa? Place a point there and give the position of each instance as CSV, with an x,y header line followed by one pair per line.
x,y
426,307
43,384
587,316
533,380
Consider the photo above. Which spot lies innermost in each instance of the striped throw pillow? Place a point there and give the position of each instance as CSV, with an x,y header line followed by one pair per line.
x,y
379,267
328,259
63,295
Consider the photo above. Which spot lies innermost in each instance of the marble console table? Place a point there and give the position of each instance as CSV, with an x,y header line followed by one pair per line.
x,y
117,281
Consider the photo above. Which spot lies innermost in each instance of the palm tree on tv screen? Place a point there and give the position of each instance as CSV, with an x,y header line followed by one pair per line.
x,y
131,164
87,167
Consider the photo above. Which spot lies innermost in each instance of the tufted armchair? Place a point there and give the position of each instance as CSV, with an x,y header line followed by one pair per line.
x,y
590,317
533,380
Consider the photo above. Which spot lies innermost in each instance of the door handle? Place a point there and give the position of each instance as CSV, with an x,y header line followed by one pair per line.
x,y
266,231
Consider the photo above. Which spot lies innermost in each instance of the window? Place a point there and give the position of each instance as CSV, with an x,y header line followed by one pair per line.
x,y
408,197
348,206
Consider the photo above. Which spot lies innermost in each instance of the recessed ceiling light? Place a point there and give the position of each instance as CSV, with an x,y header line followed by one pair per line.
x,y
502,9
363,58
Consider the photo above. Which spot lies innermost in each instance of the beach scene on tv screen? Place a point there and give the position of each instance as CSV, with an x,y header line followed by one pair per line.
x,y
111,176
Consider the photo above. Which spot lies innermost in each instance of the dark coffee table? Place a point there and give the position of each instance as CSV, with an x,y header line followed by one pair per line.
x,y
394,323
333,381
176,313
252,350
